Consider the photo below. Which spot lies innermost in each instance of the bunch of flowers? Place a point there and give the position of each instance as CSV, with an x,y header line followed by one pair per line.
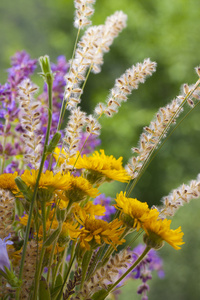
x,y
60,238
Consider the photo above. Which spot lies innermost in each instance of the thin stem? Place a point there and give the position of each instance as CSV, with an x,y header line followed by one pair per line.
x,y
63,261
175,129
80,152
64,104
68,270
3,146
43,208
85,264
135,238
51,260
94,263
38,273
77,36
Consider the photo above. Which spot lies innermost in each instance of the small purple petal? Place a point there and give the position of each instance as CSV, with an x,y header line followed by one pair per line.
x,y
4,259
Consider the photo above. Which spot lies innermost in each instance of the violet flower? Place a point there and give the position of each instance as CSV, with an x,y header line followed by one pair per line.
x,y
88,146
22,67
151,262
4,259
105,201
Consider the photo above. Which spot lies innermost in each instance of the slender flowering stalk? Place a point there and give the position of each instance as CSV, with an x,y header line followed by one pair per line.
x,y
7,209
124,86
30,121
93,44
140,258
178,197
84,10
157,130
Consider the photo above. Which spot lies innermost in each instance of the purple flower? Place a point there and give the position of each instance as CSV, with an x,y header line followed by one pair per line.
x,y
151,262
13,167
105,201
22,67
4,259
90,145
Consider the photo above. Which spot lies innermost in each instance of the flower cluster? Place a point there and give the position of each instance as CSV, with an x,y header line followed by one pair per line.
x,y
60,236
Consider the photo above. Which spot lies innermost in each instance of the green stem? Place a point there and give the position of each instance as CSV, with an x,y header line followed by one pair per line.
x,y
94,263
68,270
85,264
55,272
38,273
3,146
51,260
135,238
62,267
43,208
64,104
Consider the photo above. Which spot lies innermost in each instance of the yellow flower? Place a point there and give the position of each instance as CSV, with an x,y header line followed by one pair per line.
x,y
133,212
101,167
73,230
79,189
96,232
7,181
68,231
90,209
14,255
47,180
24,220
60,156
158,230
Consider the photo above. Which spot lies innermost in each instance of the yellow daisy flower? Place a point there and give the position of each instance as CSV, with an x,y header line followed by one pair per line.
x,y
133,212
101,167
79,189
7,181
47,180
90,209
158,231
68,231
95,232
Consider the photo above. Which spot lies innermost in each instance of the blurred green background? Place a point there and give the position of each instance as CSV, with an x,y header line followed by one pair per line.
x,y
167,32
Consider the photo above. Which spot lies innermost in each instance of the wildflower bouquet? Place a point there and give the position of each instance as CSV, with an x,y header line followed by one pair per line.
x,y
60,238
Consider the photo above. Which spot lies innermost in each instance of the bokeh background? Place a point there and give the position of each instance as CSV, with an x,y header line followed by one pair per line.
x,y
167,32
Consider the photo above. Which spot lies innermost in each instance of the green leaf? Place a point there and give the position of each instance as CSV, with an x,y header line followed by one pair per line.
x,y
44,292
52,238
52,145
59,280
58,285
100,295
24,189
